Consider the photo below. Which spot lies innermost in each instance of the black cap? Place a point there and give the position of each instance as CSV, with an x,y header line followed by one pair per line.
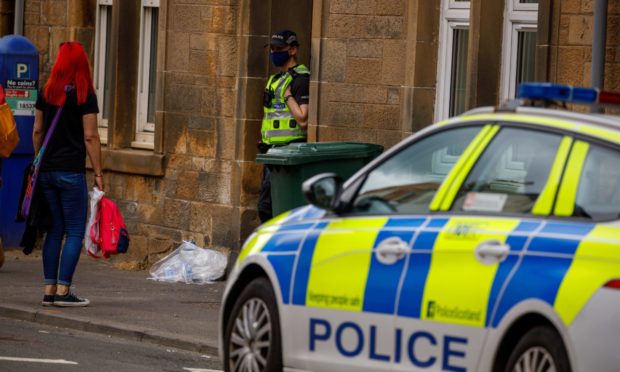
x,y
284,38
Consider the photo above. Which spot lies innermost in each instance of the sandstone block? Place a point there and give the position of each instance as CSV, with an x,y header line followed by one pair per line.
x,y
426,65
251,174
250,137
214,188
382,117
183,98
187,18
391,7
367,7
227,56
176,139
54,13
136,252
613,29
580,30
199,63
570,65
150,213
202,142
156,246
388,138
81,13
346,26
393,67
571,6
393,96
222,234
138,188
421,105
343,6
223,19
363,70
364,48
249,221
200,218
342,114
203,41
201,122
187,184
176,213
333,60
388,27
227,140
31,19
177,51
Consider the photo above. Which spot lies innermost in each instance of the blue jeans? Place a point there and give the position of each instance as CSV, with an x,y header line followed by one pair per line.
x,y
67,197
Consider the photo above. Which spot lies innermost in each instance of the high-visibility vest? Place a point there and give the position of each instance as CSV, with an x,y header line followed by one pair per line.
x,y
279,127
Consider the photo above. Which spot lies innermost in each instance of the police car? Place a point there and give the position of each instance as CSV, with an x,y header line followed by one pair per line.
x,y
487,242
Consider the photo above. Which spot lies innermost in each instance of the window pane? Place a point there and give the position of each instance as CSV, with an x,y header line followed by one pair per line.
x,y
153,65
407,182
510,174
458,74
526,53
598,196
108,66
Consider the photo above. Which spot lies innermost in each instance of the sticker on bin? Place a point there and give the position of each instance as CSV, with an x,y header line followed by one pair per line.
x,y
484,202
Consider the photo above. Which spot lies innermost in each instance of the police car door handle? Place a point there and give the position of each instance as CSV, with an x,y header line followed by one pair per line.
x,y
491,251
391,250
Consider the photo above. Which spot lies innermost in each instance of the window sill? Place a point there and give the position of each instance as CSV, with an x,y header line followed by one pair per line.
x,y
143,145
132,161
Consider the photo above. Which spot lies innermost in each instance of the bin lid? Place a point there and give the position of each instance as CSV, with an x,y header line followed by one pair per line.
x,y
17,45
303,153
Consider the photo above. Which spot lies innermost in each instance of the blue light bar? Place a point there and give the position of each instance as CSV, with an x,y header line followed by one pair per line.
x,y
558,92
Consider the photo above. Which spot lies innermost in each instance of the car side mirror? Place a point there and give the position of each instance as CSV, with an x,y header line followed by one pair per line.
x,y
323,190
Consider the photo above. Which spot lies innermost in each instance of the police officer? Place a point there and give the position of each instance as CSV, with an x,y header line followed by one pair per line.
x,y
285,104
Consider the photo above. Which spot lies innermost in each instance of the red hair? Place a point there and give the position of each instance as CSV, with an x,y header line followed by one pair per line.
x,y
71,68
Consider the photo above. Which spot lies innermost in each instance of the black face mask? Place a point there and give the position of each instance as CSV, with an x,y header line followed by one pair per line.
x,y
279,58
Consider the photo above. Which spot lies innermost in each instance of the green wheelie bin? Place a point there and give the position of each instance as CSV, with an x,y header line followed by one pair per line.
x,y
294,163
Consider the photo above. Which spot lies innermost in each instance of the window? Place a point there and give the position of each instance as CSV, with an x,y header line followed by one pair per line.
x,y
453,50
598,195
103,65
510,174
519,45
408,181
145,124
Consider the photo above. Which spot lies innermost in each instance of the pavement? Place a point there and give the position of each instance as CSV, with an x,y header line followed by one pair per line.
x,y
123,303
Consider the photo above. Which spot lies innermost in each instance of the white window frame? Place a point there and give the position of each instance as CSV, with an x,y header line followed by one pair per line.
x,y
145,131
518,5
454,15
518,17
101,40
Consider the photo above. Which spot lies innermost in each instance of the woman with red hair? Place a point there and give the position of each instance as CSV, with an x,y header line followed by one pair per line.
x,y
62,176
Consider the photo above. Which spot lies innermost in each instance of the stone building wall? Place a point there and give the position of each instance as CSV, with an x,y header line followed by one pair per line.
x,y
360,70
47,23
570,57
198,195
374,70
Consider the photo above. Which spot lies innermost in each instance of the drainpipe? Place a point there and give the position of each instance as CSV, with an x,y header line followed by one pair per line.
x,y
18,28
599,38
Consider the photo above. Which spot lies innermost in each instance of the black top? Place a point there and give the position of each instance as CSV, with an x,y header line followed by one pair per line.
x,y
300,89
66,150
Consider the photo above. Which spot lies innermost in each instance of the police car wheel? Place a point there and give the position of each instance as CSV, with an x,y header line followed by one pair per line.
x,y
252,340
540,349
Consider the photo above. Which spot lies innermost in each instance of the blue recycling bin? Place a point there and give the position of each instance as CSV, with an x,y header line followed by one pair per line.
x,y
19,76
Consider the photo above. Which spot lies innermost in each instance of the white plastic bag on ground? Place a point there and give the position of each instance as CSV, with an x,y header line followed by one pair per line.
x,y
190,264
94,196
